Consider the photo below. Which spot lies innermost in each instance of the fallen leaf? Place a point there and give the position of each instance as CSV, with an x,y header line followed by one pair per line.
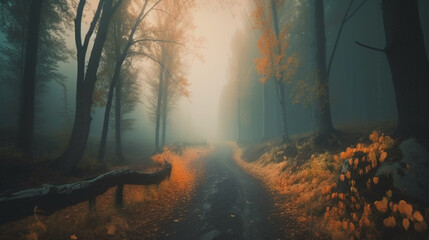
x,y
111,230
405,223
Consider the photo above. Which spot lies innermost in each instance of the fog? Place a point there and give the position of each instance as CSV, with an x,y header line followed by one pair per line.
x,y
209,113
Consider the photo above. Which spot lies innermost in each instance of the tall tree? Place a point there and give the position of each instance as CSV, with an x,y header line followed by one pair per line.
x,y
274,63
324,126
122,39
25,138
406,54
55,16
172,25
86,78
175,86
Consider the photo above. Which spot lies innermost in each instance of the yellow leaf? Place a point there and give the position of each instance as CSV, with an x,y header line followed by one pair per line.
x,y
375,180
395,208
374,136
73,237
389,222
345,225
383,156
418,216
351,227
381,206
405,208
365,221
405,223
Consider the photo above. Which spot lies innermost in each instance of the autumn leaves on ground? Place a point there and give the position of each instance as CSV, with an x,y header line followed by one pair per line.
x,y
146,208
318,192
337,194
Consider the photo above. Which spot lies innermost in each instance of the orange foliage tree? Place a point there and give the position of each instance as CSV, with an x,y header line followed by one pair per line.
x,y
173,26
274,63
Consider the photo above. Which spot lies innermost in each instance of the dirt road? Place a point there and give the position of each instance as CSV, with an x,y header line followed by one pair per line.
x,y
229,204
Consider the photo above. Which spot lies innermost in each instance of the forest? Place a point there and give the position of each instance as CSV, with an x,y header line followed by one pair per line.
x,y
214,119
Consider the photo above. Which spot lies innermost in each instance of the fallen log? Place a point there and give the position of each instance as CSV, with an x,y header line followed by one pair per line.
x,y
50,198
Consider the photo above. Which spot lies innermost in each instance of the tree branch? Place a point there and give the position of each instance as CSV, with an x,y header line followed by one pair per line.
x,y
157,40
93,24
338,37
356,10
78,25
370,47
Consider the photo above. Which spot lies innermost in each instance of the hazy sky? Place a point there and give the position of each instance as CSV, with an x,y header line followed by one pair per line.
x,y
195,118
207,78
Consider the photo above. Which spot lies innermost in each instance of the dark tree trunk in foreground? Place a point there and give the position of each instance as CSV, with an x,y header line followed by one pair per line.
x,y
86,81
49,198
26,121
324,126
409,65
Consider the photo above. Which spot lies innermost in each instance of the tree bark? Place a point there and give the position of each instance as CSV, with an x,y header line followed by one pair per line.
x,y
164,112
116,75
26,121
158,109
85,88
279,82
405,51
102,149
50,198
324,127
118,117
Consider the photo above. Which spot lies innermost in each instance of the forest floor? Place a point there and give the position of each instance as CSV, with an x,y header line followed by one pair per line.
x,y
268,190
146,208
332,190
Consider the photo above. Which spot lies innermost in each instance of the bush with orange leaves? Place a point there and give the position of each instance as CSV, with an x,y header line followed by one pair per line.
x,y
301,180
353,214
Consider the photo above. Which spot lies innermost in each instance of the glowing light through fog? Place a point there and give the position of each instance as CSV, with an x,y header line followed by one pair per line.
x,y
200,112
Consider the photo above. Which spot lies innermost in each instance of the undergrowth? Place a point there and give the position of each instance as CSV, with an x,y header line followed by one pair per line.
x,y
339,196
146,208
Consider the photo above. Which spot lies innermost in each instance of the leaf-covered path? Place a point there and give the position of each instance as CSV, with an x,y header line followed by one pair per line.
x,y
229,204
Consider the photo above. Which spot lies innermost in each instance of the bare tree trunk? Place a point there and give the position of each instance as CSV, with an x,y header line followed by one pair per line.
x,y
278,82
164,112
405,51
116,75
102,149
325,127
118,117
264,127
86,83
238,113
26,121
281,96
158,110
